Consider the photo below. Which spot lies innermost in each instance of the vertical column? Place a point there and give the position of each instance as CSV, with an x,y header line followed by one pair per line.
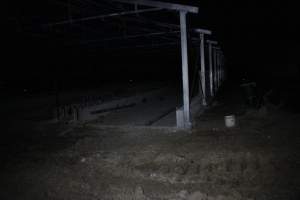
x,y
220,58
215,70
219,68
210,70
185,70
222,66
202,77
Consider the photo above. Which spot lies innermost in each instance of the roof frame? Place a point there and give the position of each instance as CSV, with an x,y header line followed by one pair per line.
x,y
203,31
163,5
158,5
104,16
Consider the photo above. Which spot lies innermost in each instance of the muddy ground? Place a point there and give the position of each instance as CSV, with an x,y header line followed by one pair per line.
x,y
258,159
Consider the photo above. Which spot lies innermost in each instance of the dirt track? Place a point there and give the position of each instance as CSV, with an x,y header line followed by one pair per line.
x,y
259,159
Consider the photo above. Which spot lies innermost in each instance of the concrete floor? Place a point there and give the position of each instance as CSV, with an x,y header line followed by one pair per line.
x,y
156,111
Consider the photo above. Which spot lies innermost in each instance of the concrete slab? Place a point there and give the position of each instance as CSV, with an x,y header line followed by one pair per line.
x,y
155,111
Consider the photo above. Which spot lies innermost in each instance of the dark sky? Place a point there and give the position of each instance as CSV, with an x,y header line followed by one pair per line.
x,y
258,38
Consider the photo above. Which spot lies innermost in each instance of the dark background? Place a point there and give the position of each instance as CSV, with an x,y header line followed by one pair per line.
x,y
259,39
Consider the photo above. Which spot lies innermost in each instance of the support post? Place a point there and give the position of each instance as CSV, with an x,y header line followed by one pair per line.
x,y
223,67
215,71
210,70
202,77
221,64
218,68
185,70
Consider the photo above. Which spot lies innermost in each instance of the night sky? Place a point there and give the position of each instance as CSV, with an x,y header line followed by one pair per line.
x,y
259,40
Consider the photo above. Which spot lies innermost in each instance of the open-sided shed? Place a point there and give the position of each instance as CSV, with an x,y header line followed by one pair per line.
x,y
121,24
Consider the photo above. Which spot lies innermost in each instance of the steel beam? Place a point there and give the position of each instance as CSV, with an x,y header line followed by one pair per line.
x,y
164,5
104,16
212,42
185,70
130,37
203,31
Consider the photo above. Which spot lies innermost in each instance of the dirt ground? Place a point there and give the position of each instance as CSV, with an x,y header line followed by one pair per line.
x,y
258,159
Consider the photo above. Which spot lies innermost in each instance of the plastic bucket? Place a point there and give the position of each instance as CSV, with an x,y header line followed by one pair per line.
x,y
229,121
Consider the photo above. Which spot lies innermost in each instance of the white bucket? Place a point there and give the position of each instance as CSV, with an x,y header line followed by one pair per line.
x,y
229,121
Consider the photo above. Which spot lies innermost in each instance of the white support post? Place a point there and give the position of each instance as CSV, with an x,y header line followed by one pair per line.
x,y
202,74
215,70
218,68
223,67
210,70
221,72
220,61
185,70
